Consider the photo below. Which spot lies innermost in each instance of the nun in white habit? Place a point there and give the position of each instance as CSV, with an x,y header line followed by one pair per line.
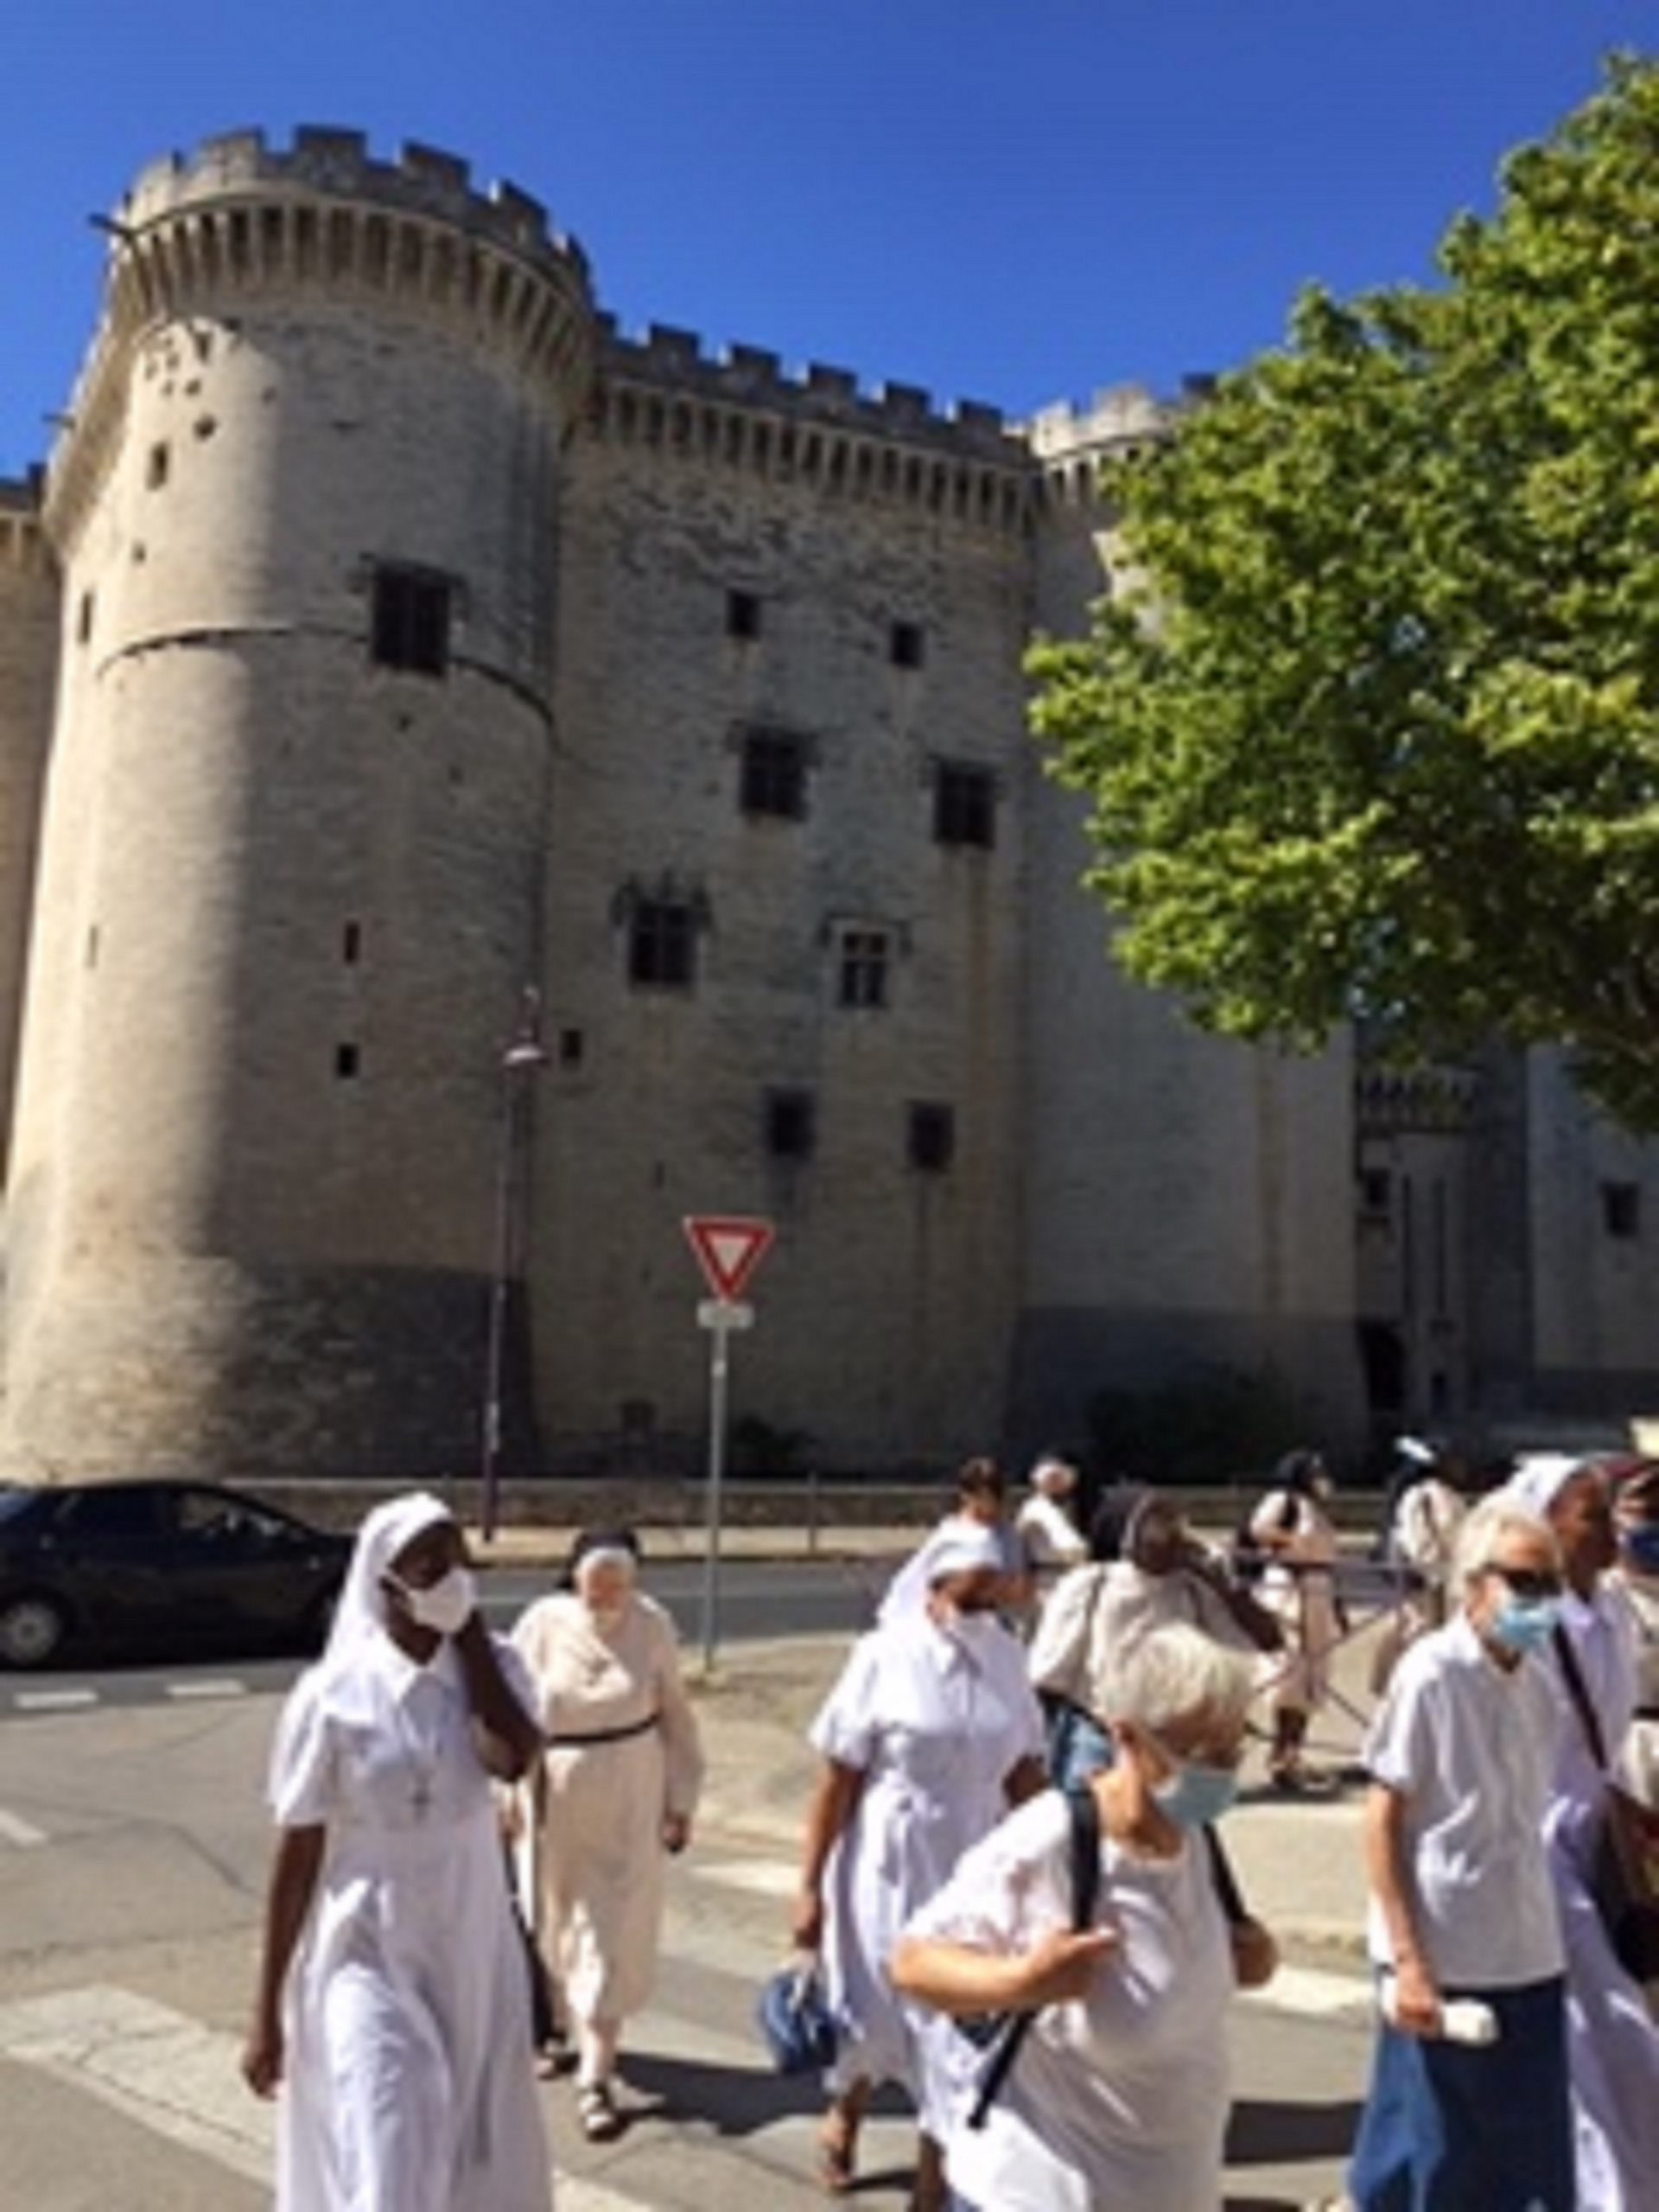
x,y
393,2005
931,1733
1612,2041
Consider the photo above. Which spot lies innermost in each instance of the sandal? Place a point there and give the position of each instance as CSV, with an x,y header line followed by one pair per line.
x,y
597,2113
835,2147
553,2059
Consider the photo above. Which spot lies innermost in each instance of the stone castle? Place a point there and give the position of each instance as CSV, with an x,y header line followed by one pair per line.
x,y
476,788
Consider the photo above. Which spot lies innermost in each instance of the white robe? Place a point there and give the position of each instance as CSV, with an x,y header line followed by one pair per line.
x,y
935,1722
408,2082
597,1809
1294,1585
1612,2043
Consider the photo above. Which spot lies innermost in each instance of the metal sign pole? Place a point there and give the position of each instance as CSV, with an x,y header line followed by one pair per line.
x,y
717,1366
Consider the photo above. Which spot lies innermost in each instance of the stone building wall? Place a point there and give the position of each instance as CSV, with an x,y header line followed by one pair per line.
x,y
29,658
886,1312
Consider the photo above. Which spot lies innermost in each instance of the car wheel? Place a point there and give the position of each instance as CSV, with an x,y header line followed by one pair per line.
x,y
32,1630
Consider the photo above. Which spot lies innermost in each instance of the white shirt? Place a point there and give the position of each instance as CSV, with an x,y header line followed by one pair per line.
x,y
1098,1615
1120,2098
1425,1523
1052,1538
1469,1747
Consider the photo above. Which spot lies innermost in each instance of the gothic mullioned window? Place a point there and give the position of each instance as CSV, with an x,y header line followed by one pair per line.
x,y
662,945
964,805
865,960
411,615
774,779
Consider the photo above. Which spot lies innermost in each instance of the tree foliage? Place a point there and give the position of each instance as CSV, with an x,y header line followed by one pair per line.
x,y
1374,732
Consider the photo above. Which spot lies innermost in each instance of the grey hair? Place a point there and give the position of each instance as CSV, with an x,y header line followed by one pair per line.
x,y
1483,1525
1175,1673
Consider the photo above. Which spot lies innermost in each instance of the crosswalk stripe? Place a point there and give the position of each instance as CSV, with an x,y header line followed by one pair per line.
x,y
209,1687
763,1878
179,2079
15,1829
53,1700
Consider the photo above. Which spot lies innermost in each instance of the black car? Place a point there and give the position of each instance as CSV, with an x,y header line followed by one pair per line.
x,y
158,1566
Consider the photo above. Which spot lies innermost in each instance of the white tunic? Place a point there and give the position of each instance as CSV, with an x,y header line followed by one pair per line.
x,y
1052,1539
1097,1615
1295,1587
934,1720
598,1806
1119,2099
1469,1747
408,2082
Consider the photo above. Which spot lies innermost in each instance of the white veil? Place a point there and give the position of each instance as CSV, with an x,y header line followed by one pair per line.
x,y
385,1532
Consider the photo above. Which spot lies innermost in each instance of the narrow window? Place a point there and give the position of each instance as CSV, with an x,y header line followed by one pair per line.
x,y
863,980
1375,1191
155,468
662,945
411,620
932,1137
351,943
906,644
347,1060
84,618
571,1045
791,1124
964,805
1621,1208
742,614
774,774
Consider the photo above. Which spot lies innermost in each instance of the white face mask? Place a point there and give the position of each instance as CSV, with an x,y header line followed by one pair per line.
x,y
447,1605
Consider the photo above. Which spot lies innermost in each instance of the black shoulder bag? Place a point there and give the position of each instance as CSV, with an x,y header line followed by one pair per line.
x,y
1084,1813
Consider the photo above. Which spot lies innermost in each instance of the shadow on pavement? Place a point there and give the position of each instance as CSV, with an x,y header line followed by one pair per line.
x,y
1272,2131
730,2100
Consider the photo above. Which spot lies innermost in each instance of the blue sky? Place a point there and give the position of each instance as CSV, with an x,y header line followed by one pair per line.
x,y
1015,201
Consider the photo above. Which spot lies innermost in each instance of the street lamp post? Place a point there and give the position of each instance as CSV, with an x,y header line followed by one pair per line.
x,y
522,1057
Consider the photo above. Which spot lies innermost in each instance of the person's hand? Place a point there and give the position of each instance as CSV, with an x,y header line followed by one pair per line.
x,y
1255,1955
1417,1997
262,2058
806,1919
676,1831
1060,1965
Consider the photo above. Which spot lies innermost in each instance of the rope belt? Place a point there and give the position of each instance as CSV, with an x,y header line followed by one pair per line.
x,y
602,1735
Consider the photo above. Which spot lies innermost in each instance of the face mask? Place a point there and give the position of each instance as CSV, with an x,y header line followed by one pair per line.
x,y
1641,1547
447,1605
1194,1796
1523,1625
970,1628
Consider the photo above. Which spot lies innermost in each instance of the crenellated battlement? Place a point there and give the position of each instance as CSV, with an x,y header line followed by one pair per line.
x,y
742,410
1069,442
422,180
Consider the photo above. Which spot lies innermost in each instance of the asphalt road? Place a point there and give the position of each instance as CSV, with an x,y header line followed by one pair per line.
x,y
756,1599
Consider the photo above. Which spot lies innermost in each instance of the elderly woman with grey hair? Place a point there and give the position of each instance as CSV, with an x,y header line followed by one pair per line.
x,y
1118,2092
1461,1756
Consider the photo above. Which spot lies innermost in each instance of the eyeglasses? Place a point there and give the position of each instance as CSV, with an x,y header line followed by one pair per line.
x,y
1528,1581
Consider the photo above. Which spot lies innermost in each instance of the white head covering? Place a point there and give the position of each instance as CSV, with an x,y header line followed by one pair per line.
x,y
361,1610
1539,1479
1054,1478
963,1548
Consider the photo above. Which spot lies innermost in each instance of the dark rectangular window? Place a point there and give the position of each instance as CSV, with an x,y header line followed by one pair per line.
x,y
791,1124
662,945
906,644
351,943
774,774
1621,1208
1374,1190
571,1045
863,968
932,1137
964,805
411,620
347,1060
84,618
155,468
742,614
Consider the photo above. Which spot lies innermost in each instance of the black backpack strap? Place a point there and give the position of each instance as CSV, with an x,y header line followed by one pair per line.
x,y
1226,1881
1083,1809
1572,1675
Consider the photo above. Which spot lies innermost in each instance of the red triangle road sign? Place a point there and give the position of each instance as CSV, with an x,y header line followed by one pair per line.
x,y
730,1247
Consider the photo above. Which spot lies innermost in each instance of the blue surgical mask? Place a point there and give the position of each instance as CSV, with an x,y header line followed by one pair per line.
x,y
1194,1796
1641,1546
1524,1624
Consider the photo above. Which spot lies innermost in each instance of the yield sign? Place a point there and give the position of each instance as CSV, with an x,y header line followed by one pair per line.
x,y
730,1247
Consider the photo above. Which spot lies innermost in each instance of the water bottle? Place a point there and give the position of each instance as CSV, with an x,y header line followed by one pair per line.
x,y
1463,2019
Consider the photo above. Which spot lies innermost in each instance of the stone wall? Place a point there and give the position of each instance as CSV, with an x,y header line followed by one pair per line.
x,y
28,653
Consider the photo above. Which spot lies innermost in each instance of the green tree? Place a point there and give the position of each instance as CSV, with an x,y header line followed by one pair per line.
x,y
1372,732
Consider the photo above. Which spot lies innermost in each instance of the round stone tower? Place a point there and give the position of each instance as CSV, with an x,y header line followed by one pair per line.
x,y
305,510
